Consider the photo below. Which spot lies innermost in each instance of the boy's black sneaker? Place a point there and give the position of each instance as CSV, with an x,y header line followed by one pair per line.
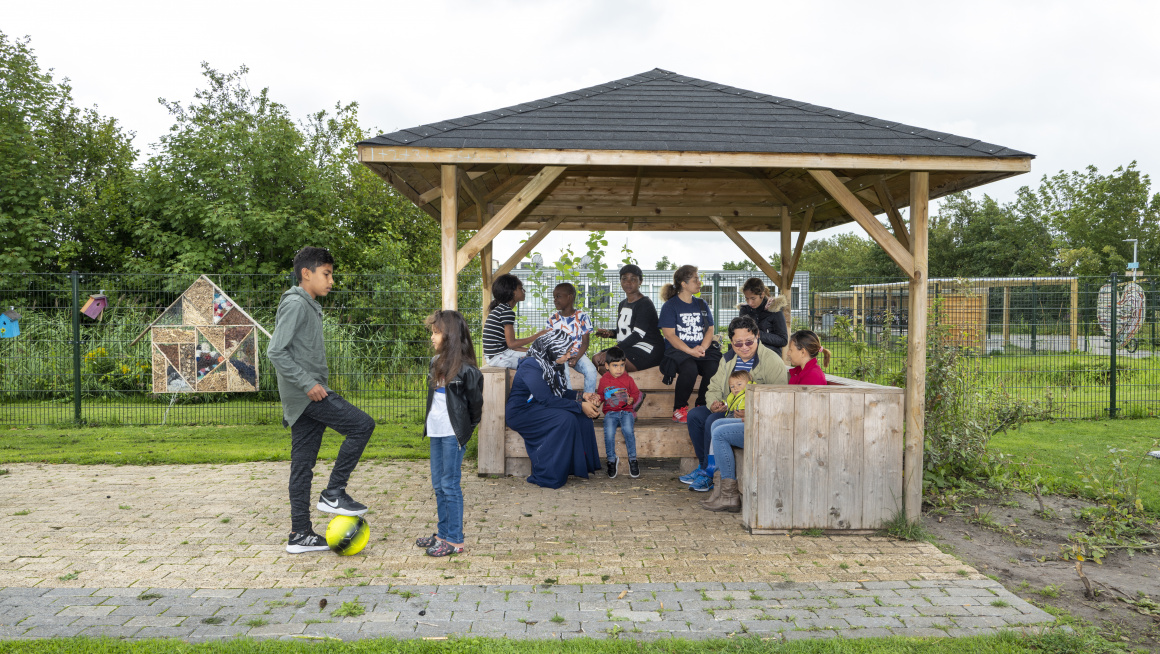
x,y
307,541
633,469
613,466
337,501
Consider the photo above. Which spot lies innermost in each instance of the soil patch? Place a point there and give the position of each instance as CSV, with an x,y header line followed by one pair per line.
x,y
1003,535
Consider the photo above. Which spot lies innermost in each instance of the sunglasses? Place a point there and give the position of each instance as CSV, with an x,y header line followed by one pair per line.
x,y
741,344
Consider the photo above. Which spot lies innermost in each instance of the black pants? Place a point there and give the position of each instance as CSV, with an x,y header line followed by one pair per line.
x,y
305,439
687,371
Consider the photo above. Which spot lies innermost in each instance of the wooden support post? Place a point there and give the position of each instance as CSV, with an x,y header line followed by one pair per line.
x,y
915,409
484,270
1006,316
448,241
749,250
1074,314
887,202
510,212
858,211
787,269
527,246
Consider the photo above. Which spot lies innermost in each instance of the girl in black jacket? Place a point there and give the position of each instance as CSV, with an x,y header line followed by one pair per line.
x,y
767,311
454,408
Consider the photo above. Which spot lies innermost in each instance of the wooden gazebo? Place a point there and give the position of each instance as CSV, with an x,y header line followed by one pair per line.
x,y
664,152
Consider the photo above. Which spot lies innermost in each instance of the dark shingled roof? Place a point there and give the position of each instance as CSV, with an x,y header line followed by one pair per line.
x,y
661,110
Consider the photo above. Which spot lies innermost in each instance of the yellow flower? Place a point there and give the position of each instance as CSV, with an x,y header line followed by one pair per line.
x,y
124,369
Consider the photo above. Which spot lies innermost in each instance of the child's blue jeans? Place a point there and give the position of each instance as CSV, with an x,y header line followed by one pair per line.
x,y
728,433
591,377
626,420
446,471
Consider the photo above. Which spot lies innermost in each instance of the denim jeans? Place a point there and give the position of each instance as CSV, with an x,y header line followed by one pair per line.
x,y
728,433
626,420
305,439
506,359
700,421
591,377
446,471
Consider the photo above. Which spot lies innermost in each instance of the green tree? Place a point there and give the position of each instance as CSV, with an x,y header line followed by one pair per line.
x,y
970,238
742,264
665,264
65,173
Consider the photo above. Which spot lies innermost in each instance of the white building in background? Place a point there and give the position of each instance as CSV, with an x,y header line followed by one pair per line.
x,y
721,289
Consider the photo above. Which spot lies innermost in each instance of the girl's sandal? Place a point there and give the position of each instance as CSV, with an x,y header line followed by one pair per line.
x,y
443,548
428,541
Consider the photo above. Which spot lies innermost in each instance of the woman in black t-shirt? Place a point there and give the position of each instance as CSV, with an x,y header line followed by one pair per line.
x,y
636,330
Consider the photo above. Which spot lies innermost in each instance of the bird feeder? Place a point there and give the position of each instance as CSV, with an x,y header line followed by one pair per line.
x,y
95,305
9,323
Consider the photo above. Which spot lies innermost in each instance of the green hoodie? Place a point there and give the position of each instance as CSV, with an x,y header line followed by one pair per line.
x,y
298,351
770,369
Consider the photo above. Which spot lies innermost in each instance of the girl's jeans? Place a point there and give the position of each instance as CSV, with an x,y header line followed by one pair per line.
x,y
446,471
626,420
728,433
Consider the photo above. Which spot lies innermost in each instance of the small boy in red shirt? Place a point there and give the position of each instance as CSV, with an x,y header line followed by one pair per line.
x,y
621,399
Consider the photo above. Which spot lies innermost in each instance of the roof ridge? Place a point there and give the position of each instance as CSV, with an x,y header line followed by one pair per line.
x,y
827,111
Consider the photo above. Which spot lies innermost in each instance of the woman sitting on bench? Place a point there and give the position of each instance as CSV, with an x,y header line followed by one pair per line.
x,y
554,420
804,347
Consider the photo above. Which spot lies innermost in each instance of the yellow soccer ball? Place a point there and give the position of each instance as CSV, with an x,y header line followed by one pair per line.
x,y
347,535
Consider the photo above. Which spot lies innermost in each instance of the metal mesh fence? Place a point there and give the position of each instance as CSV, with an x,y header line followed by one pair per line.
x,y
1042,341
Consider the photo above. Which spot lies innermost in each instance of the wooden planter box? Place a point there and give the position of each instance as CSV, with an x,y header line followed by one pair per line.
x,y
822,457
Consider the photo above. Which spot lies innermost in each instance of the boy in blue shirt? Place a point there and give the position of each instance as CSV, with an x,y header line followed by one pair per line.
x,y
298,352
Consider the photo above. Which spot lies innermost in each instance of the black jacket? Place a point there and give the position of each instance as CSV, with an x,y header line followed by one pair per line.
x,y
770,322
464,403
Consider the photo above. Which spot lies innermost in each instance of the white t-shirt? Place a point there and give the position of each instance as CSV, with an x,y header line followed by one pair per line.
x,y
438,422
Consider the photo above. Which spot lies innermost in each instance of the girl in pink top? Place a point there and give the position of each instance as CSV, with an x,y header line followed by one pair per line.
x,y
804,348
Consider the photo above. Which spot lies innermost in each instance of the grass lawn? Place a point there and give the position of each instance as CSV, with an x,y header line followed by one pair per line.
x,y
1003,643
177,445
1057,451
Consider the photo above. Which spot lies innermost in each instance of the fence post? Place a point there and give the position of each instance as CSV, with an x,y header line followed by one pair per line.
x,y
717,299
1034,320
1113,344
1081,316
1152,288
76,343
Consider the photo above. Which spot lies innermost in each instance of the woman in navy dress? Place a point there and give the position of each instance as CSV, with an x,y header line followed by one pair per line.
x,y
554,420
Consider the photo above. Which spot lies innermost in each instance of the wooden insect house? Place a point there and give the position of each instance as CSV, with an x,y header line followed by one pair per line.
x,y
9,323
204,343
95,305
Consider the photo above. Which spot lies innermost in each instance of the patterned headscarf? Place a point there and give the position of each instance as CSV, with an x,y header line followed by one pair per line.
x,y
545,350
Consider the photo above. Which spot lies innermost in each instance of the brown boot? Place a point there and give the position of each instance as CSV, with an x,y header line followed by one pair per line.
x,y
730,498
715,493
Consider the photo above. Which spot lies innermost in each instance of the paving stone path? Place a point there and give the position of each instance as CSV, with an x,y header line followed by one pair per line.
x,y
196,552
785,610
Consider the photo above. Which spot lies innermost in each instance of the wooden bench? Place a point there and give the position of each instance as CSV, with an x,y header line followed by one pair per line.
x,y
822,457
501,450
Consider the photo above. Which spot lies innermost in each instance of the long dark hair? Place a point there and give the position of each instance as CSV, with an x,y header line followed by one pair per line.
x,y
755,286
503,289
682,275
457,349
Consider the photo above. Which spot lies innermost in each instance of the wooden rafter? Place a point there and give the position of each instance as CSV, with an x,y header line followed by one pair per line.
x,y
510,212
887,202
400,185
748,249
801,241
855,185
862,215
473,190
414,155
527,246
770,186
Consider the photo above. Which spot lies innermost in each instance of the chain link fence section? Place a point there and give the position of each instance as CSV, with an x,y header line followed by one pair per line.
x,y
1041,340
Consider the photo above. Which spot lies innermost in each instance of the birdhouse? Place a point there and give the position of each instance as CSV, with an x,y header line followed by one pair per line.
x,y
95,305
9,323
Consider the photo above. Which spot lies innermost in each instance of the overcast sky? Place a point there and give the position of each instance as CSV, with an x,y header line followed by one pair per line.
x,y
1075,83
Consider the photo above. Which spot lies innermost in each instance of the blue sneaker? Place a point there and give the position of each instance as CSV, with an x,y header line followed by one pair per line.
x,y
702,484
692,476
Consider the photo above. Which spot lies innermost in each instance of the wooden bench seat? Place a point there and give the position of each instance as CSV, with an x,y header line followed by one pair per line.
x,y
501,450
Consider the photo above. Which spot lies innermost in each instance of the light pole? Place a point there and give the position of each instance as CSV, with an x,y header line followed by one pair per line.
x,y
1135,265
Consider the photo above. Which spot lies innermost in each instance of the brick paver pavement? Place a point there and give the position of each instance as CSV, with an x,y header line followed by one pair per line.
x,y
89,546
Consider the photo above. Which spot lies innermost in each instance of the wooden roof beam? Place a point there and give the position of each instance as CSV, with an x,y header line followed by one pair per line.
x,y
855,185
413,155
437,192
801,242
887,202
748,249
527,246
404,189
770,186
862,215
487,233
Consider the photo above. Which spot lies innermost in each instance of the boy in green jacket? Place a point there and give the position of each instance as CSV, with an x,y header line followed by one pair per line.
x,y
298,352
